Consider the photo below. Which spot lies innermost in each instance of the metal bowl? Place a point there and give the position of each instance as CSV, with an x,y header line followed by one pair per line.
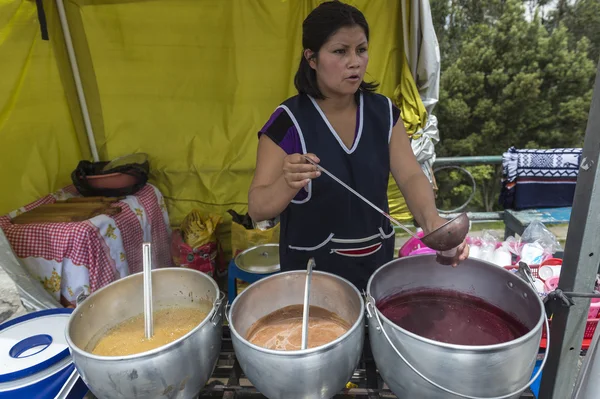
x,y
314,373
177,370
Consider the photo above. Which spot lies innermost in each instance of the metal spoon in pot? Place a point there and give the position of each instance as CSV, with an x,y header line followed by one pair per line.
x,y
148,315
446,237
306,309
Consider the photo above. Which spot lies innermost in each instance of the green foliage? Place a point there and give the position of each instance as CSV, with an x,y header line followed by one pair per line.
x,y
582,19
455,187
508,80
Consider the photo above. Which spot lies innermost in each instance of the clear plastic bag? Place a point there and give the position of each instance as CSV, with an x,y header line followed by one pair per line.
x,y
535,245
538,232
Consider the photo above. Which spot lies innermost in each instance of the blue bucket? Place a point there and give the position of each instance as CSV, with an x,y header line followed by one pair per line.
x,y
35,361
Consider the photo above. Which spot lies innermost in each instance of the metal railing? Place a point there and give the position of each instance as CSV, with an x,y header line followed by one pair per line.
x,y
469,161
459,163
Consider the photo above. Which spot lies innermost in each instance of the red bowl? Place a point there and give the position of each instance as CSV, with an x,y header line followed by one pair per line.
x,y
111,181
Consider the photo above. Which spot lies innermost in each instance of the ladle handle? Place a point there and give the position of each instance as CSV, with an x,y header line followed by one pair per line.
x,y
306,309
148,312
372,205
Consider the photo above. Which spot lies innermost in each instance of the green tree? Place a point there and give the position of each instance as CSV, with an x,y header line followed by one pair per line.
x,y
582,20
509,81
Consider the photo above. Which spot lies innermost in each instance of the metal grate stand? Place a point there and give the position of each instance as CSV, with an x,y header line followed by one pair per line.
x,y
229,382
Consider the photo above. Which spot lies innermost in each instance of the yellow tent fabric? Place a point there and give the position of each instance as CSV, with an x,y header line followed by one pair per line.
x,y
38,144
192,86
190,82
414,115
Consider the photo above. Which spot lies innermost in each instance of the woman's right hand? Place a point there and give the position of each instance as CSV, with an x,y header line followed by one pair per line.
x,y
298,172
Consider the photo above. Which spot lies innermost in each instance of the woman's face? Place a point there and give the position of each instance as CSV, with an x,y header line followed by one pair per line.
x,y
341,62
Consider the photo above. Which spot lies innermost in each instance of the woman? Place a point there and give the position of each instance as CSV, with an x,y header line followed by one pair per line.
x,y
339,122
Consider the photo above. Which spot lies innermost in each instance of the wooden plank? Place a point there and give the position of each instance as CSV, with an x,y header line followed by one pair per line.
x,y
65,212
517,221
92,199
545,215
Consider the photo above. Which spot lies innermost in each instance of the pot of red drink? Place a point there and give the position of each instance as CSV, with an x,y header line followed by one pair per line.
x,y
442,332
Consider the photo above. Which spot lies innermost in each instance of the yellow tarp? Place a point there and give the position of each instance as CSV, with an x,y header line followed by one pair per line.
x,y
188,82
413,112
414,115
191,82
38,144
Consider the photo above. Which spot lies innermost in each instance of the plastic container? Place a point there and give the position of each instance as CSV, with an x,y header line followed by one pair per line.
x,y
594,308
35,362
414,246
591,324
551,283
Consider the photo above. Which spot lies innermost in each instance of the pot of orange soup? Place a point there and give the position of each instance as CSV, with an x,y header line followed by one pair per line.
x,y
266,331
105,334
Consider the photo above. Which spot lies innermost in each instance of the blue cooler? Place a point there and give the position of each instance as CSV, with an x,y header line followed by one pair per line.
x,y
35,361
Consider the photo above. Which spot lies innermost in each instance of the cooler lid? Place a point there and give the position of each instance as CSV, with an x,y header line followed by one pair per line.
x,y
32,343
262,259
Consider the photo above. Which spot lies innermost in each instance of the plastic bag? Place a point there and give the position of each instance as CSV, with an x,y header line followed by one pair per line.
x,y
483,247
198,229
535,245
196,245
536,232
202,258
249,224
489,242
137,171
243,237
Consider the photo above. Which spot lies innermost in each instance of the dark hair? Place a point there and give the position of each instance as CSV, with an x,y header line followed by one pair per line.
x,y
317,28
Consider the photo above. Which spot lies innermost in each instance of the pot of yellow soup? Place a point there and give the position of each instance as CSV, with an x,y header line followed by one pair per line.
x,y
106,338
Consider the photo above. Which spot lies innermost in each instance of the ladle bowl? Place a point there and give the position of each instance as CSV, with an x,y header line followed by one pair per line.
x,y
449,235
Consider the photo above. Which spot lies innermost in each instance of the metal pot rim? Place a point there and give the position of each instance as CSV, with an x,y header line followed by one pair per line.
x,y
154,351
464,348
298,353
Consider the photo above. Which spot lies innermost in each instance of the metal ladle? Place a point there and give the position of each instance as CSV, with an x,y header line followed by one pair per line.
x,y
448,236
306,309
148,315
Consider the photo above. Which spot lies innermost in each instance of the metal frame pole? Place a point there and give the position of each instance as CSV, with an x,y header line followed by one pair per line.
x,y
580,264
77,77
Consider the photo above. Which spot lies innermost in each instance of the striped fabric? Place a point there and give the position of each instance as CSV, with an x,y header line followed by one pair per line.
x,y
539,178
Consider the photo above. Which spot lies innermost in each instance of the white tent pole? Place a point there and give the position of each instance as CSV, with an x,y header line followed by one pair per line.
x,y
77,77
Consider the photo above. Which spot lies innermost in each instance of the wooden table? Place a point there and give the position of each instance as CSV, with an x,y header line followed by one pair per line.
x,y
516,222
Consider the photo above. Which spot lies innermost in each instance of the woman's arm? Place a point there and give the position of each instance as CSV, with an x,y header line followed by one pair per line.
x,y
411,181
277,179
416,189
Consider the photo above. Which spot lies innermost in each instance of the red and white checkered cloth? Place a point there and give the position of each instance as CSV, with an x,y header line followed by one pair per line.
x,y
83,244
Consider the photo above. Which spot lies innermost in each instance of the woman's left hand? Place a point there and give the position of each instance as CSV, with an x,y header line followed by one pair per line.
x,y
462,253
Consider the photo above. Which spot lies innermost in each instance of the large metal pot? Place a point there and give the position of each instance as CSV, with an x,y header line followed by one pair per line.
x,y
311,373
490,371
177,370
